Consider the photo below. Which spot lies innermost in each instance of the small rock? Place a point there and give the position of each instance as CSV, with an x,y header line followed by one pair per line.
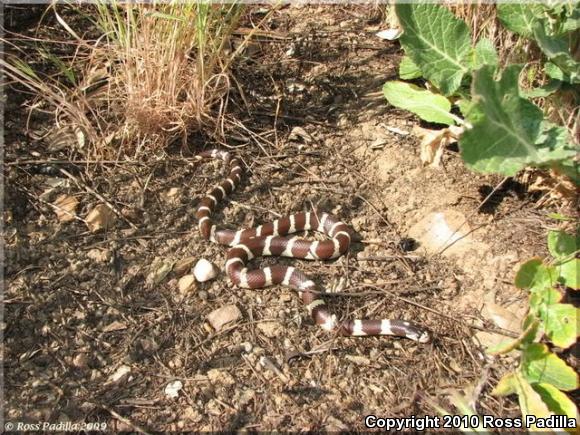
x,y
121,374
227,314
186,283
100,217
217,376
445,231
204,270
359,360
183,265
299,134
81,361
99,255
115,326
270,329
173,194
390,34
172,389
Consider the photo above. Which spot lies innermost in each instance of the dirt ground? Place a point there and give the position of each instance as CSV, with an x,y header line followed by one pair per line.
x,y
90,335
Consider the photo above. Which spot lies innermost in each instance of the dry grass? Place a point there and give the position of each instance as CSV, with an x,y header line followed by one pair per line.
x,y
155,74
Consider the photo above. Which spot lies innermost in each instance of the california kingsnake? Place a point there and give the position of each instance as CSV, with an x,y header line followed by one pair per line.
x,y
267,240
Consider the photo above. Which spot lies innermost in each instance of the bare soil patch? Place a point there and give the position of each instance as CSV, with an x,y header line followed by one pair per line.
x,y
90,336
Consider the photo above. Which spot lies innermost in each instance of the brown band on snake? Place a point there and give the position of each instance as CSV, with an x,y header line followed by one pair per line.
x,y
269,240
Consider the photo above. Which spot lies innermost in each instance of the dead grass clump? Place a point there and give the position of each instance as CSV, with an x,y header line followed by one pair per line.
x,y
157,72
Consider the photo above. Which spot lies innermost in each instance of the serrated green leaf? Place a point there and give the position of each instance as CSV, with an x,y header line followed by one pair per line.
x,y
484,53
557,402
506,127
408,70
539,365
561,324
561,244
437,42
427,105
519,18
509,345
534,275
570,273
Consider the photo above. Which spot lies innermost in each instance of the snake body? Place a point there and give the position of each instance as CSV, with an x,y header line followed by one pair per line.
x,y
269,240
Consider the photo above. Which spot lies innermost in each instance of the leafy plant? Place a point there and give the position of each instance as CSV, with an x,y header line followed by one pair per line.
x,y
542,377
504,131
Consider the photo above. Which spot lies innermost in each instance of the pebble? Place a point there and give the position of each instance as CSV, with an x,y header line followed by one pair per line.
x,y
217,376
81,361
204,270
186,283
172,389
270,329
183,265
226,314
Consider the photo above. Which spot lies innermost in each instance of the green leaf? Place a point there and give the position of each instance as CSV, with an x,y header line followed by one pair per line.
x,y
552,140
561,244
506,127
531,329
555,73
570,273
484,54
534,275
543,91
560,217
506,385
437,42
465,106
541,365
530,401
561,324
557,402
408,70
519,18
557,51
427,105
572,22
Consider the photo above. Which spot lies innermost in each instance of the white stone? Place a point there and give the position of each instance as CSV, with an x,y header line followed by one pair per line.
x,y
390,34
172,389
204,270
